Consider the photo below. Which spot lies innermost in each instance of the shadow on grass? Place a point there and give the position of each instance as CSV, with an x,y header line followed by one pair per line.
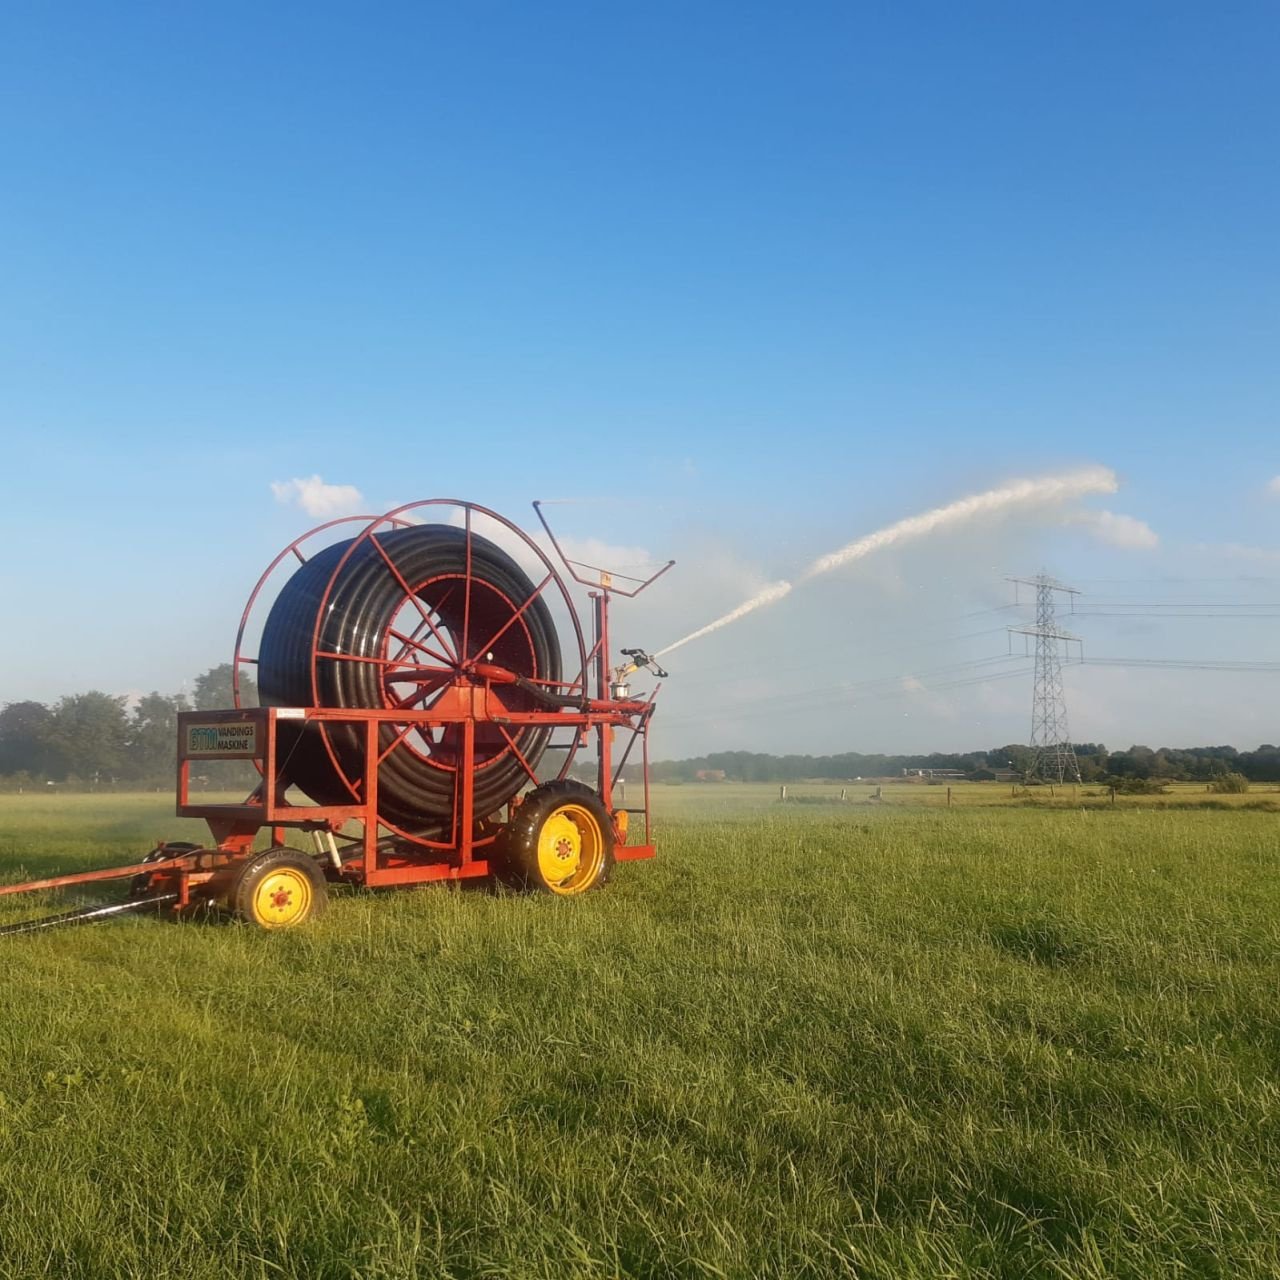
x,y
1018,1206
1044,941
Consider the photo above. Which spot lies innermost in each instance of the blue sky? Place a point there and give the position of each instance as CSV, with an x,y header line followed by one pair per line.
x,y
767,276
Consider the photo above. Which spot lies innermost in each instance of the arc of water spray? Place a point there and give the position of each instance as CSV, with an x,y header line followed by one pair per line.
x,y
768,595
1044,490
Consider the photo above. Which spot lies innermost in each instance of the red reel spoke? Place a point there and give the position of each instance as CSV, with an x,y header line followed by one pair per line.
x,y
519,755
515,617
413,596
412,642
466,603
423,688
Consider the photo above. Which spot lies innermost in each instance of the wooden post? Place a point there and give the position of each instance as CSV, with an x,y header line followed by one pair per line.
x,y
1052,792
878,795
1113,795
782,792
844,793
948,797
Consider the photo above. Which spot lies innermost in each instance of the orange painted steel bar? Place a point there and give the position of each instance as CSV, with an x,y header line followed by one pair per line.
x,y
182,862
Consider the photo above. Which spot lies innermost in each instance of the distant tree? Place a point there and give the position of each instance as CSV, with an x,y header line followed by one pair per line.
x,y
24,738
89,735
1230,783
1131,786
1093,768
1137,762
153,735
1013,756
213,690
1262,765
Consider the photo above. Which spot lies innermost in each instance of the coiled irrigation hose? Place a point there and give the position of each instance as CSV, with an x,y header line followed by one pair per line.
x,y
416,780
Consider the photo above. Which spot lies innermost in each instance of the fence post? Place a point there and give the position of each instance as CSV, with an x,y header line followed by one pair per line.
x,y
948,797
782,792
1113,795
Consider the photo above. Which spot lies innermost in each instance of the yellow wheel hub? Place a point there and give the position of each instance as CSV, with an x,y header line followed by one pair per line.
x,y
570,849
282,897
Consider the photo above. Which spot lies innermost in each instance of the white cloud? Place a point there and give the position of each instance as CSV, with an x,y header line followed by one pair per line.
x,y
591,553
317,498
1273,487
1126,532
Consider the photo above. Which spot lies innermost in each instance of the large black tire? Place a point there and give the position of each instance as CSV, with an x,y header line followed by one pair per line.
x,y
416,787
560,840
278,889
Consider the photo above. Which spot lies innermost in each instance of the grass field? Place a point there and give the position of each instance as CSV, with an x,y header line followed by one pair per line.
x,y
893,1040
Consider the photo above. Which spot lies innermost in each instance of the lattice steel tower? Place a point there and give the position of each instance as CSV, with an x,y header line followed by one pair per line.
x,y
1055,757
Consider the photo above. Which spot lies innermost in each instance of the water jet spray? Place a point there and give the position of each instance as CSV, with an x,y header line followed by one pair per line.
x,y
992,502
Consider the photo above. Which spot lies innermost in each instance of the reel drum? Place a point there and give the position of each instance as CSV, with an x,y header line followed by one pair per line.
x,y
398,617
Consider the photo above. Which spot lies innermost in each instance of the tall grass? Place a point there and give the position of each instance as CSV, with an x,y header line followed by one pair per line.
x,y
882,1042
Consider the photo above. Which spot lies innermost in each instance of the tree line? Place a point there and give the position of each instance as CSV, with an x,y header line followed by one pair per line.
x,y
1097,764
98,739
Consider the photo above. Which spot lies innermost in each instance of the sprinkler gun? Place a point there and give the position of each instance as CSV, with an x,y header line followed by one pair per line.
x,y
640,660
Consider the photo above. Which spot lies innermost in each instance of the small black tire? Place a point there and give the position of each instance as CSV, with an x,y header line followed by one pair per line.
x,y
140,885
560,840
278,889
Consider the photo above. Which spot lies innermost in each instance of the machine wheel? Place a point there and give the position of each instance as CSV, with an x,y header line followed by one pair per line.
x,y
560,840
277,889
140,885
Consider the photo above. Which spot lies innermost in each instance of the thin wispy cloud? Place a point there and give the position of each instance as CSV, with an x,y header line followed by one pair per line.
x,y
1273,487
1127,533
317,498
1240,551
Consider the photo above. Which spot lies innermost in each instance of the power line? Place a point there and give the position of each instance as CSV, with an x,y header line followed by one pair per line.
x,y
1150,613
754,711
736,672
1049,721
1182,664
953,675
839,644
1234,580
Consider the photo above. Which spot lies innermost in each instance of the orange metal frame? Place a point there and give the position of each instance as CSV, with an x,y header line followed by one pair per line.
x,y
375,860
379,855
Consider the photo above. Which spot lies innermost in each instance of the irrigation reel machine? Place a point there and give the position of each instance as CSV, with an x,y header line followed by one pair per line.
x,y
426,685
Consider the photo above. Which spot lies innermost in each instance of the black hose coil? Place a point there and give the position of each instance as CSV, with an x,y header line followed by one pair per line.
x,y
417,779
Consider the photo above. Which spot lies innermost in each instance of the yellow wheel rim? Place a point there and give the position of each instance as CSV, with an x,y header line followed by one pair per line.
x,y
570,849
282,897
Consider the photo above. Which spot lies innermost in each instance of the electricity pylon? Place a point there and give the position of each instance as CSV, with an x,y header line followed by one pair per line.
x,y
1055,757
